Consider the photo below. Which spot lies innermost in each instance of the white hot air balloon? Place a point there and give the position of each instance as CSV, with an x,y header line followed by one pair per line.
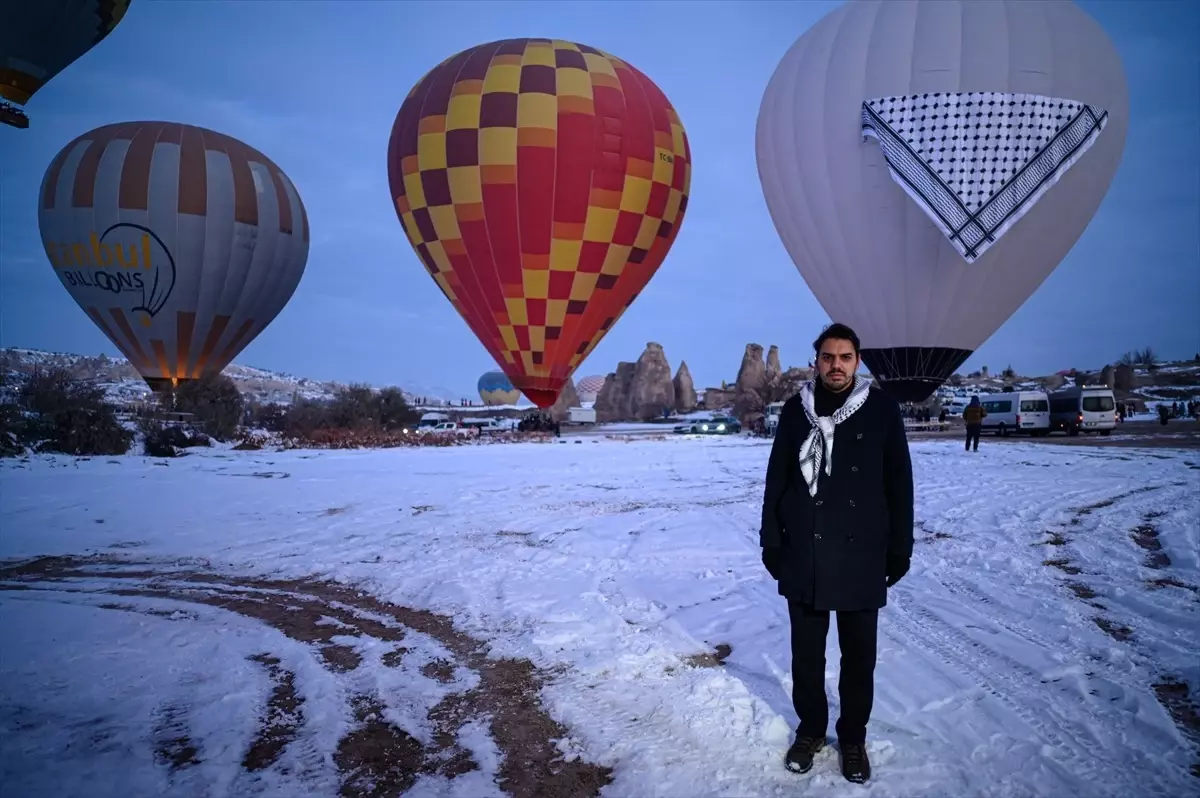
x,y
927,164
182,244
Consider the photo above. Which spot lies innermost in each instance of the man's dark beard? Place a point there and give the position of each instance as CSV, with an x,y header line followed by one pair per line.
x,y
844,386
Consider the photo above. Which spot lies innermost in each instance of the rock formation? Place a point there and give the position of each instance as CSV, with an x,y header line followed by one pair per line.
x,y
685,390
568,398
750,393
1053,382
773,367
789,383
1124,378
612,402
719,398
651,393
752,374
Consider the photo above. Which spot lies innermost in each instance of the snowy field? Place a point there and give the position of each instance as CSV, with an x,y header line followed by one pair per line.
x,y
590,614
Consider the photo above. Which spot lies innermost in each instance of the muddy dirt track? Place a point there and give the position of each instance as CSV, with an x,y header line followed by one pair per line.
x,y
376,758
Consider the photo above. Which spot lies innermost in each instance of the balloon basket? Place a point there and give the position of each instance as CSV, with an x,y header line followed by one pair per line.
x,y
13,116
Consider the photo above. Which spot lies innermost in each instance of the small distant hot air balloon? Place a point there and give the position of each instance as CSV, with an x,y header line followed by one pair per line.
x,y
40,38
180,243
541,183
589,387
995,130
496,389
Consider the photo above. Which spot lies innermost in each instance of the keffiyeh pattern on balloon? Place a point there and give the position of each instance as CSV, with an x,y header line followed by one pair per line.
x,y
977,162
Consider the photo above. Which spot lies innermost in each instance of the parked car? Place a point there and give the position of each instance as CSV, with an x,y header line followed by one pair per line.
x,y
447,428
717,425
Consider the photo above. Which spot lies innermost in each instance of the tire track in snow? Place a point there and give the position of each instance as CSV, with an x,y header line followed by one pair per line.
x,y
1001,616
1009,684
1061,732
374,756
1164,684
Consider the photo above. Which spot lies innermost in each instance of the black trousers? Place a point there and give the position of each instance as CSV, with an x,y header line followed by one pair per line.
x,y
857,634
973,431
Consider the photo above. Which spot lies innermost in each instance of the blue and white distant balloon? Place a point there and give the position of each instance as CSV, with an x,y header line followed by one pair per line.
x,y
495,388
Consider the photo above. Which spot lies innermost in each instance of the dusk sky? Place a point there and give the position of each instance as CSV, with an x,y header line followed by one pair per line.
x,y
316,86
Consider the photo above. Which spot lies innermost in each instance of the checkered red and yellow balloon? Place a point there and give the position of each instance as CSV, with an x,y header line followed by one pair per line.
x,y
541,183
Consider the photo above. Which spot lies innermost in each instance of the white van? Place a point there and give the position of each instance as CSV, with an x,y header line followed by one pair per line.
x,y
431,420
774,411
581,415
1088,408
1016,412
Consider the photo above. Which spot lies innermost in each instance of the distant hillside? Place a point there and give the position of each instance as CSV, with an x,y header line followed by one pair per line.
x,y
1167,381
123,384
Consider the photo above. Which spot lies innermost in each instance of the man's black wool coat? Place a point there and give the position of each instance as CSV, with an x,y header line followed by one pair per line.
x,y
836,544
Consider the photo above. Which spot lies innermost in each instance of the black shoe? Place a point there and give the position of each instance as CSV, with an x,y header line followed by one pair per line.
x,y
856,767
799,757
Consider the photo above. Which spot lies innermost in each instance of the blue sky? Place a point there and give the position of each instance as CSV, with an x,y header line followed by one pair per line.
x,y
316,85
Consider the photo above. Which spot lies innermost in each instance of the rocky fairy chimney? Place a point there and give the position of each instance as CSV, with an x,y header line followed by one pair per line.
x,y
612,402
652,391
773,367
685,390
752,374
567,398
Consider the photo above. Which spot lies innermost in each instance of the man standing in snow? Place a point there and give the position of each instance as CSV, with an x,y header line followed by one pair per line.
x,y
837,531
973,415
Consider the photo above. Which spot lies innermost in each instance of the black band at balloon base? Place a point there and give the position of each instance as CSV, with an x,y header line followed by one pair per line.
x,y
913,373
163,384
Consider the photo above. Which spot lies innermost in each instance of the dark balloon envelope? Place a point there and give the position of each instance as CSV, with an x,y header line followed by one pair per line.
x,y
541,183
41,38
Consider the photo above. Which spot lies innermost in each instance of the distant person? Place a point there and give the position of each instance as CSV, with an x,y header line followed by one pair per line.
x,y
973,415
837,532
1121,413
1164,413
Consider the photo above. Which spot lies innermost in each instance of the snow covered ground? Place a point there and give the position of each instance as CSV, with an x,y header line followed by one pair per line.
x,y
1052,588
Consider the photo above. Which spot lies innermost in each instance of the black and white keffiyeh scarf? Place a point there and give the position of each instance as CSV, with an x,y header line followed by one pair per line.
x,y
977,162
817,449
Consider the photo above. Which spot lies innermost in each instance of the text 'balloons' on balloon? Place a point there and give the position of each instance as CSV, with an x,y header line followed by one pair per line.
x,y
495,388
927,165
41,38
181,244
542,184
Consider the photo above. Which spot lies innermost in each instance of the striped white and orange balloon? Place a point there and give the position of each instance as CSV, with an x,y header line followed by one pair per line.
x,y
181,244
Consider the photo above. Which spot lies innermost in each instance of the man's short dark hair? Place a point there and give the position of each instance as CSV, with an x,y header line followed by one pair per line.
x,y
839,331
